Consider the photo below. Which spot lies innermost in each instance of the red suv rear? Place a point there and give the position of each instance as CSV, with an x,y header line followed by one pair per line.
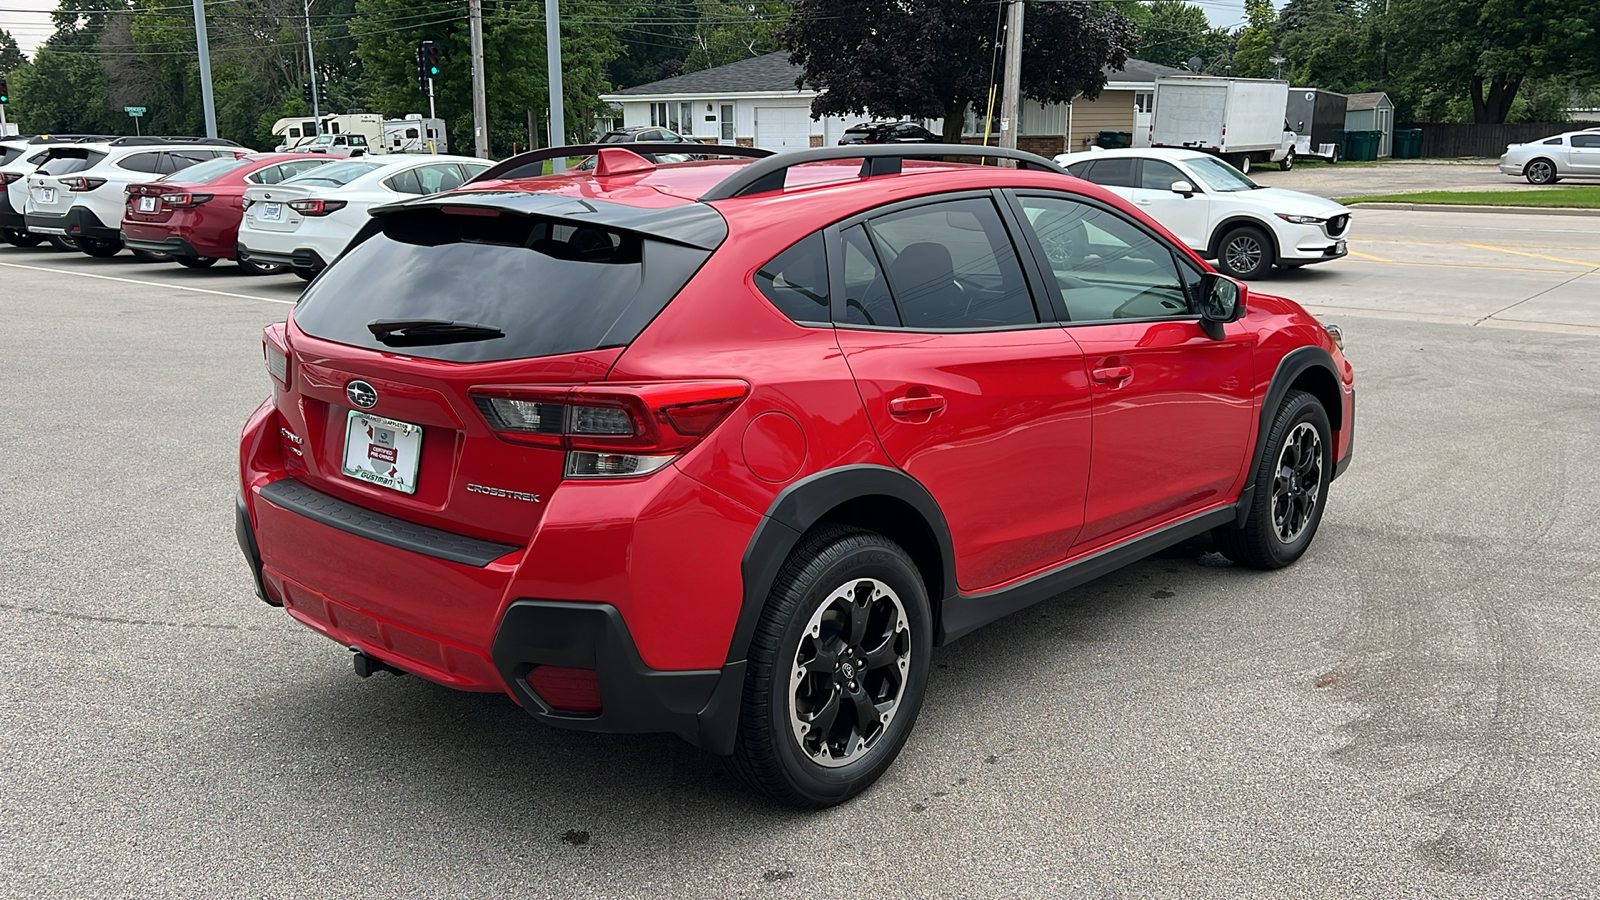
x,y
724,448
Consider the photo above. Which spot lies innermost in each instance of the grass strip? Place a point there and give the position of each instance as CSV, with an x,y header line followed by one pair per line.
x,y
1555,198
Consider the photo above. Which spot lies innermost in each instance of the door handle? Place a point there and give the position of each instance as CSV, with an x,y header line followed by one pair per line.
x,y
1113,374
913,406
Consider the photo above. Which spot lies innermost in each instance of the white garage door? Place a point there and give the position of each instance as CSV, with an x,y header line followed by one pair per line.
x,y
783,127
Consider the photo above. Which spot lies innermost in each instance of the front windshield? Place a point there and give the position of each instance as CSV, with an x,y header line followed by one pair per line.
x,y
334,174
323,139
1219,176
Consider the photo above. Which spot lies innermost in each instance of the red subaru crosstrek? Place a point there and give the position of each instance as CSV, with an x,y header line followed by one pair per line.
x,y
193,215
725,448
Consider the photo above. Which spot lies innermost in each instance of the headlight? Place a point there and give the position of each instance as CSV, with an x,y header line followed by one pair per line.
x,y
1301,220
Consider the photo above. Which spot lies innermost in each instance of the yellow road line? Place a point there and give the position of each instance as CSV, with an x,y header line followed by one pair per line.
x,y
1370,256
1364,240
1558,259
1364,258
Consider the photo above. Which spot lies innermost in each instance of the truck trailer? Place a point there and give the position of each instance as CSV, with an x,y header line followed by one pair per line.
x,y
1239,119
1317,119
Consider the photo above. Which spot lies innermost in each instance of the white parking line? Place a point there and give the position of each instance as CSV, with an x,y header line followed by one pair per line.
x,y
156,284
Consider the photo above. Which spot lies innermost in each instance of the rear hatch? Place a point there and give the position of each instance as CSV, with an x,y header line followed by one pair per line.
x,y
266,207
432,370
153,203
54,186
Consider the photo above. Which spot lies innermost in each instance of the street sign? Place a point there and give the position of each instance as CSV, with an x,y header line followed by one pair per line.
x,y
133,110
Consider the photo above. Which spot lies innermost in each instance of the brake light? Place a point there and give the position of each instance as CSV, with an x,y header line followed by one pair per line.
x,y
185,200
611,430
275,347
8,177
316,207
80,183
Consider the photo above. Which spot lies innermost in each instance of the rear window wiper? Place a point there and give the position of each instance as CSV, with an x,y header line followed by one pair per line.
x,y
428,332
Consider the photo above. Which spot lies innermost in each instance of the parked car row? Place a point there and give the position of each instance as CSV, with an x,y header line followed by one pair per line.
x,y
195,201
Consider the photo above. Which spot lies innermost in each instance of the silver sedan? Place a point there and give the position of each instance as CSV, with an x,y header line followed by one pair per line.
x,y
1574,154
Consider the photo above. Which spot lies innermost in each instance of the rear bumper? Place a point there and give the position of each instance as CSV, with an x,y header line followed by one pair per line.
x,y
1510,168
300,258
172,246
77,222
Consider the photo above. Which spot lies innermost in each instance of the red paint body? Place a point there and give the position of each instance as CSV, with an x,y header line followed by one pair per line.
x,y
1045,444
212,227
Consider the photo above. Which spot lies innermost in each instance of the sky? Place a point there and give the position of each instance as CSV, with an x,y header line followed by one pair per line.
x,y
29,20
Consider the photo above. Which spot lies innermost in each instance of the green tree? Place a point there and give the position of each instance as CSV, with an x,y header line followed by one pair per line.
x,y
1172,32
730,30
1253,49
1331,44
11,58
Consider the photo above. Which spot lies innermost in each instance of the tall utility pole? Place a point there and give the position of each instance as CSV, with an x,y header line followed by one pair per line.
x,y
311,65
552,40
480,103
1012,90
205,67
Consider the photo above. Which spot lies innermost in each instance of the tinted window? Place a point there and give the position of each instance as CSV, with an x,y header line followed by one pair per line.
x,y
335,175
439,178
552,286
1155,175
1219,176
1105,266
65,162
951,265
7,154
1554,142
1586,140
141,162
796,281
275,174
405,182
1080,169
866,290
211,169
1113,172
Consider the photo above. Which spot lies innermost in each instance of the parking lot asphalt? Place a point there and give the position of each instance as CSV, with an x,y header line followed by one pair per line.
x,y
1410,711
1400,176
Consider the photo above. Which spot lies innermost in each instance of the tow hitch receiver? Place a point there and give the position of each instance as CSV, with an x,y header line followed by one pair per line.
x,y
367,666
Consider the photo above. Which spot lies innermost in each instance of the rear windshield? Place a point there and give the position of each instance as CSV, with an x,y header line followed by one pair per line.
x,y
68,160
200,173
336,175
550,285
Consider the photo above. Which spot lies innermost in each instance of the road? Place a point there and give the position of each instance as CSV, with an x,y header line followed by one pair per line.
x,y
1410,711
1401,176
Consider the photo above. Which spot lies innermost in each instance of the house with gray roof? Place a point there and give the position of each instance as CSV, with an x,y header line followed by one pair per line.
x,y
754,102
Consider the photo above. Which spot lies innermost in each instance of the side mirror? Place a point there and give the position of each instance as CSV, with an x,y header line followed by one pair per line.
x,y
1183,187
1221,301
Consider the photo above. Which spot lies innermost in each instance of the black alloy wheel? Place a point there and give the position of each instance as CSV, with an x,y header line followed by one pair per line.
x,y
260,268
62,242
196,262
1291,489
1540,171
837,669
16,237
98,248
1245,252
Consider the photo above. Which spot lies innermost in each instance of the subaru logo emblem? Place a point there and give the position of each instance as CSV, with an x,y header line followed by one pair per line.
x,y
361,394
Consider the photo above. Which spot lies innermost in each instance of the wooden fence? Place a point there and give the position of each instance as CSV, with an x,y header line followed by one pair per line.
x,y
1456,139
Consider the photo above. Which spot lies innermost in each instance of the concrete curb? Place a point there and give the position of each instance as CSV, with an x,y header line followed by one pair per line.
x,y
1472,208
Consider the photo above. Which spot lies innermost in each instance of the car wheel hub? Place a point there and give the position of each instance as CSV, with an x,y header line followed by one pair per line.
x,y
1298,484
849,673
1244,254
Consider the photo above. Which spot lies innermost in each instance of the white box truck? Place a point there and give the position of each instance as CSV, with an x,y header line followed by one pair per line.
x,y
1238,119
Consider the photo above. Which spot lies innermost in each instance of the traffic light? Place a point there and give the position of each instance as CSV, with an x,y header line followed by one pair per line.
x,y
305,91
5,91
427,63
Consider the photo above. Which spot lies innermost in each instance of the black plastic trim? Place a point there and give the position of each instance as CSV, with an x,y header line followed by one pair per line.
x,y
291,495
1290,367
172,246
702,706
966,613
1350,451
768,174
247,545
693,224
299,259
9,217
75,222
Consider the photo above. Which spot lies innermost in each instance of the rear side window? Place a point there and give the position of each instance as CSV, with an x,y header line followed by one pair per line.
x,y
952,265
1113,172
141,162
66,161
7,154
552,286
336,174
796,281
275,174
405,182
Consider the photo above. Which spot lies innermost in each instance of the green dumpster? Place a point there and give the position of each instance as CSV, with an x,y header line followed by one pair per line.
x,y
1112,140
1361,146
1407,143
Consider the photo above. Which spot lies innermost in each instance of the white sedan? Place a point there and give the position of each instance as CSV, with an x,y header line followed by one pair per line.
x,y
305,222
1217,210
1574,154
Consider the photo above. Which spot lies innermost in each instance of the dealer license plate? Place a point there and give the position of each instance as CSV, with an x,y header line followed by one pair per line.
x,y
382,451
47,195
147,204
272,212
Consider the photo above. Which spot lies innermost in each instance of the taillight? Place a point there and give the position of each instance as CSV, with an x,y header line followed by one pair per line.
x,y
275,347
316,207
611,430
185,199
80,183
566,689
8,177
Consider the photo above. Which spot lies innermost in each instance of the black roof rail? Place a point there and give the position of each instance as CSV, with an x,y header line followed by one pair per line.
x,y
71,138
158,141
881,159
533,160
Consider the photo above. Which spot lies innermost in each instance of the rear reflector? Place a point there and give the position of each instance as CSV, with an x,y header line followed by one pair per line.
x,y
565,689
276,350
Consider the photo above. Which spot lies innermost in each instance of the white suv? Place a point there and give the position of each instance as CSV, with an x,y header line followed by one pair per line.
x,y
1217,210
18,158
78,190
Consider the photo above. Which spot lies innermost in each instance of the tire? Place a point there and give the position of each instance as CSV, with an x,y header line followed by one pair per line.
x,y
259,268
304,274
1287,163
100,249
1245,251
1333,159
150,256
195,262
16,237
841,590
1291,488
62,242
1242,163
1541,172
